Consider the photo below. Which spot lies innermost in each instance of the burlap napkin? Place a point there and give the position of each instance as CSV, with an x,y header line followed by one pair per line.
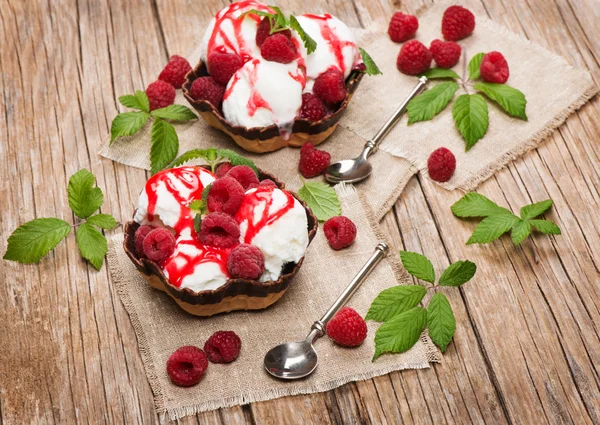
x,y
161,327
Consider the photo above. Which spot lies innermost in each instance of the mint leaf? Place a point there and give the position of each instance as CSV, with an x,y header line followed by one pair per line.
x,y
470,113
372,68
510,99
281,22
236,159
492,227
205,192
84,198
401,332
321,199
474,65
546,226
309,43
196,205
258,13
440,321
178,113
418,265
458,273
475,205
34,239
103,221
533,210
127,124
165,145
138,101
395,300
430,103
92,244
439,73
188,156
520,231
197,222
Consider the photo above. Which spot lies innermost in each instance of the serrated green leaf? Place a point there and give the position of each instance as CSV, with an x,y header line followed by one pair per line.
x,y
458,273
92,244
84,198
205,192
470,113
520,231
474,65
492,227
196,205
236,159
165,145
321,199
138,101
433,73
418,265
104,221
258,13
475,205
309,43
372,68
401,332
533,210
431,102
395,300
546,226
440,321
127,124
36,238
179,113
510,99
188,156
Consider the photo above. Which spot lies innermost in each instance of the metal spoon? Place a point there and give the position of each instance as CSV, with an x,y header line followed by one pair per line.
x,y
359,168
294,360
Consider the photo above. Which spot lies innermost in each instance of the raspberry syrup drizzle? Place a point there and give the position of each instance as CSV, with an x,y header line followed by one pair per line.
x,y
181,265
336,46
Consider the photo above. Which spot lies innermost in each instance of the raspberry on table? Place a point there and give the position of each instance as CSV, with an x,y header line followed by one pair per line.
x,y
414,58
160,94
313,109
223,169
222,66
446,54
244,175
138,238
158,244
175,71
220,230
402,27
340,232
186,366
330,86
441,165
278,48
313,162
223,347
246,261
267,183
264,30
206,88
226,195
347,328
494,68
457,23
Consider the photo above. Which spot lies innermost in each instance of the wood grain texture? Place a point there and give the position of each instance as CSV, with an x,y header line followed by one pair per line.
x,y
527,347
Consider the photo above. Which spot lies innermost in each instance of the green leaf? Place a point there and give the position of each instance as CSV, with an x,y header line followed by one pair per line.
x,y
34,239
440,321
474,65
92,244
430,103
309,43
439,73
236,159
533,210
205,192
401,332
197,222
470,113
372,68
178,113
127,124
104,221
546,226
188,156
395,300
520,231
321,199
84,198
418,265
196,205
492,227
510,99
258,13
458,273
475,205
138,101
165,145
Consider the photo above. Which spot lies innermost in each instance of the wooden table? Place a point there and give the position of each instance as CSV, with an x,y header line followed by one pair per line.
x,y
527,347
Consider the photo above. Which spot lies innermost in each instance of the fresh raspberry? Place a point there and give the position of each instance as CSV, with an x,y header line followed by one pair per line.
x,y
187,365
340,232
267,183
158,244
226,195
278,48
264,30
220,230
494,68
223,347
402,27
246,262
206,88
313,162
222,66
313,108
414,58
457,23
445,53
244,175
330,86
441,165
138,238
347,328
160,94
175,71
223,169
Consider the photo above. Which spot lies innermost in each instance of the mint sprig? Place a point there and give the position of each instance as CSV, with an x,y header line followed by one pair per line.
x,y
212,157
371,66
321,199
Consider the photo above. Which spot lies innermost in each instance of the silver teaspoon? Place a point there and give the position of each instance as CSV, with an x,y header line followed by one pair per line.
x,y
359,168
294,360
